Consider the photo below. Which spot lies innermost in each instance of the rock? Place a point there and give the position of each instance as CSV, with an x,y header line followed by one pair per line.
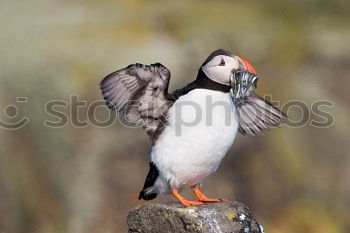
x,y
219,217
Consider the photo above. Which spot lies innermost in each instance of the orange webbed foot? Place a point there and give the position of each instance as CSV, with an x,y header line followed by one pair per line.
x,y
202,198
191,203
209,200
183,201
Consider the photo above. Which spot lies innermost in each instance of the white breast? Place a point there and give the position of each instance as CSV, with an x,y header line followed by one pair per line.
x,y
202,127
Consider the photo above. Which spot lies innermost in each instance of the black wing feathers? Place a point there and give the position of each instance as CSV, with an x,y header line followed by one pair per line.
x,y
257,116
140,92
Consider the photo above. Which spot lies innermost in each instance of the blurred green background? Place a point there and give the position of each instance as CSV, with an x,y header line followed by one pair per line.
x,y
85,179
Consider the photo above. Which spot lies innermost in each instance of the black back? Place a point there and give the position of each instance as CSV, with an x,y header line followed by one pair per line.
x,y
202,82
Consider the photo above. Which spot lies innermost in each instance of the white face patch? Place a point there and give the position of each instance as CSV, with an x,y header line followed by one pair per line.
x,y
219,68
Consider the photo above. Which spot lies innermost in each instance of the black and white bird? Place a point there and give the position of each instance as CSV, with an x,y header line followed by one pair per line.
x,y
191,128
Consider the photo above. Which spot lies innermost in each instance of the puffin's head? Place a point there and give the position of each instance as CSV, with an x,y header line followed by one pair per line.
x,y
221,66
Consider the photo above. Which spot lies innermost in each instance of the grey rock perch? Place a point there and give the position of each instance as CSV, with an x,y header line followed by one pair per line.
x,y
220,217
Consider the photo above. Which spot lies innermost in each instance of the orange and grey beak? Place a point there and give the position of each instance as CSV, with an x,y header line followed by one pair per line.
x,y
243,64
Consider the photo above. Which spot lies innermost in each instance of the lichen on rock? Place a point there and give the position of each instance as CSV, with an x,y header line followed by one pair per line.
x,y
219,217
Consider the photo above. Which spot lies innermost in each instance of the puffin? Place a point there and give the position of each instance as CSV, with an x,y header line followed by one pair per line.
x,y
191,129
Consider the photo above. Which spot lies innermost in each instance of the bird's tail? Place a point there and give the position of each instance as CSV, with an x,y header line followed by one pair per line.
x,y
147,194
149,191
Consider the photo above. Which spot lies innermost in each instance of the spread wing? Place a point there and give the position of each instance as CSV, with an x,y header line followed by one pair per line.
x,y
140,92
257,116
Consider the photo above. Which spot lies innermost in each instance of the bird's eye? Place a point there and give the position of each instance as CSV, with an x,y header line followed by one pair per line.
x,y
222,62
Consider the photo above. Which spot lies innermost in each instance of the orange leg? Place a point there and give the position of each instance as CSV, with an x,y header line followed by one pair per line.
x,y
183,201
202,197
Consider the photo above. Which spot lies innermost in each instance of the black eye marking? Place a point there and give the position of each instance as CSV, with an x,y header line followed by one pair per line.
x,y
222,62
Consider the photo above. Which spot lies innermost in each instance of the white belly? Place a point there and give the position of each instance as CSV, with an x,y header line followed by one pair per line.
x,y
202,127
